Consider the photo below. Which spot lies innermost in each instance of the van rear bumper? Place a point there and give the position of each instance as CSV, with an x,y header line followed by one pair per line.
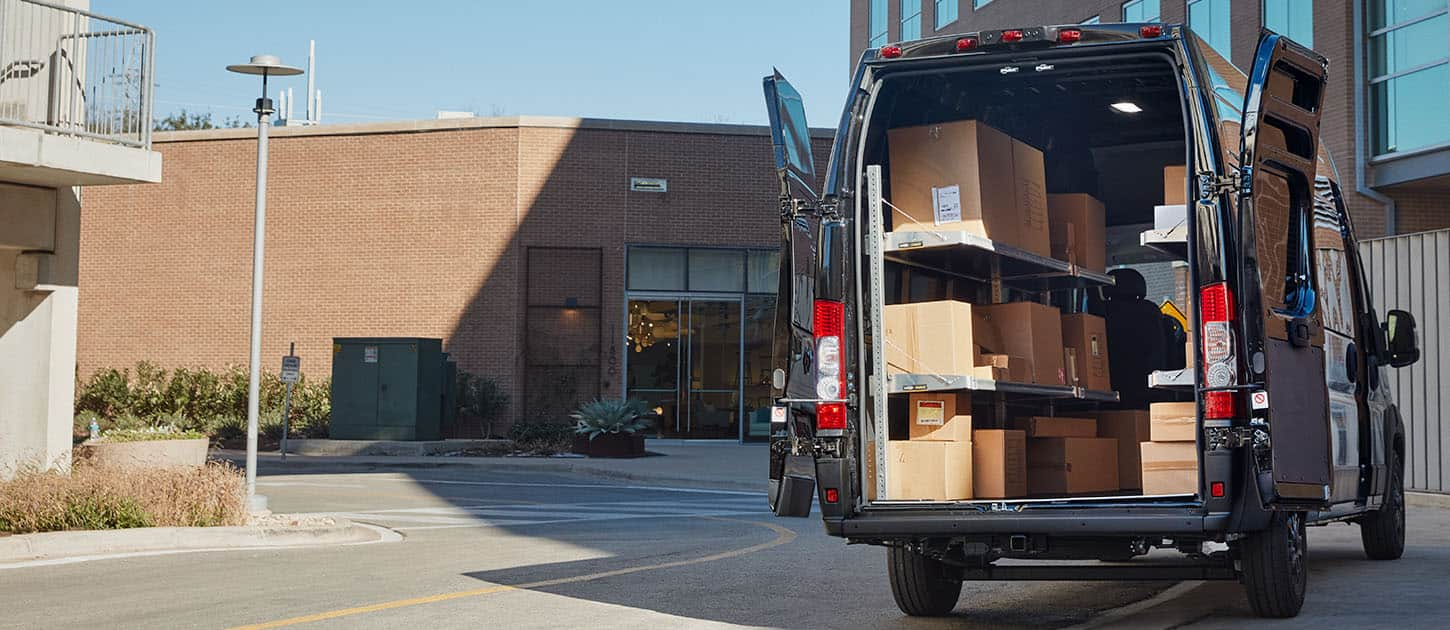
x,y
1088,522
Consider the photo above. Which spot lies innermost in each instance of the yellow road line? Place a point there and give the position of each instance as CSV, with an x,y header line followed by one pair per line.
x,y
782,536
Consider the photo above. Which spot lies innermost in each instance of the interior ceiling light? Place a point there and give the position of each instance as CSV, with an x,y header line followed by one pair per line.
x,y
1127,107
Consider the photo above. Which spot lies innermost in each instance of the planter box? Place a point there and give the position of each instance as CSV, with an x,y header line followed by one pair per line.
x,y
610,445
151,453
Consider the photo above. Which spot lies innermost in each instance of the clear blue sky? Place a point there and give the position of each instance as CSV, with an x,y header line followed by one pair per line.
x,y
682,60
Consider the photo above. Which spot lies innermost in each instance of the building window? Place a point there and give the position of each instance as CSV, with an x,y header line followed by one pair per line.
x,y
1140,11
1096,19
1210,19
1409,61
1292,18
876,21
946,13
977,4
910,20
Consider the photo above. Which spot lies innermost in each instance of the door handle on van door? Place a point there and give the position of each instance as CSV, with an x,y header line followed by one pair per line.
x,y
1351,363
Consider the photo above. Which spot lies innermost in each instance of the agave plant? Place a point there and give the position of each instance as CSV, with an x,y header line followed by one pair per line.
x,y
614,415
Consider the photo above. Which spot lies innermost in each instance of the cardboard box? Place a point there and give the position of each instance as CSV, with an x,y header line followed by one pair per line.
x,y
1001,367
1175,185
945,416
1130,428
999,464
1045,427
1078,230
1169,468
940,471
967,176
1087,337
1071,466
930,338
1173,421
1026,329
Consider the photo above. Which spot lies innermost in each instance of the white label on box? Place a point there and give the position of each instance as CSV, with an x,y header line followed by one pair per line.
x,y
931,412
947,201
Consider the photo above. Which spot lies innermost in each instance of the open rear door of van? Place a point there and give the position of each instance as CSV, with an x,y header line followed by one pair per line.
x,y
792,482
1280,147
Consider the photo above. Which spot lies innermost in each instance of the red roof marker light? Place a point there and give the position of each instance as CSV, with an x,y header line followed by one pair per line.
x,y
1011,36
1069,35
1151,31
966,43
890,52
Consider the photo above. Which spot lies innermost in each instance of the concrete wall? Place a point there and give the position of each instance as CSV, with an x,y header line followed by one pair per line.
x,y
39,267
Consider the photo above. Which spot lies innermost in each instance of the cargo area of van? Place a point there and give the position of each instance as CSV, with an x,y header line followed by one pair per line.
x,y
1029,289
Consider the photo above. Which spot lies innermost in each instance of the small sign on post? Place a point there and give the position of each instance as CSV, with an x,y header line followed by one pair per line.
x,y
291,373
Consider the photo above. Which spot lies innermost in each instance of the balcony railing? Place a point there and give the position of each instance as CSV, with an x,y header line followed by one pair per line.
x,y
73,72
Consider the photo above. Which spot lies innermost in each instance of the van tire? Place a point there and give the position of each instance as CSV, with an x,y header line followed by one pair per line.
x,y
922,586
1383,531
1275,570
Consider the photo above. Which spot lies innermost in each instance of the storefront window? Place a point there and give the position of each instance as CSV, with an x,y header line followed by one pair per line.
x,y
1409,58
656,269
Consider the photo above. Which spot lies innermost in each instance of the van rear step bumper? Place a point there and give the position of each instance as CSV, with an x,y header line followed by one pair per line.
x,y
1083,573
1096,521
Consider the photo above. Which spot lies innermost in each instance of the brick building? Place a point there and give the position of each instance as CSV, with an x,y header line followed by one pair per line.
x,y
1385,119
519,241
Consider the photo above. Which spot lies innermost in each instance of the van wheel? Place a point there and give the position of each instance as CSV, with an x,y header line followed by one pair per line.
x,y
1383,531
922,586
1275,570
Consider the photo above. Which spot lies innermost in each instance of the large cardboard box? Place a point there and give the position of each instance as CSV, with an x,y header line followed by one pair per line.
x,y
1175,185
967,176
930,338
1173,421
999,464
1169,468
1026,329
940,471
943,416
1130,428
1078,230
1087,337
1045,427
1071,466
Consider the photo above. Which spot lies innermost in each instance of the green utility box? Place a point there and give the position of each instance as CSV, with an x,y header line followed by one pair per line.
x,y
387,388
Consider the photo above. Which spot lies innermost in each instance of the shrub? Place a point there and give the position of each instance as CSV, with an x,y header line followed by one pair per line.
x,y
612,415
102,497
542,438
481,398
162,432
106,393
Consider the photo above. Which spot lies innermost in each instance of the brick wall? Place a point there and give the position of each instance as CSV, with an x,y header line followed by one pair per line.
x,y
397,234
1421,210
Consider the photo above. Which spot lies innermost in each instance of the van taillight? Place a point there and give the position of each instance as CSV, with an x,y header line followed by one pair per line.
x,y
1151,30
1220,366
830,327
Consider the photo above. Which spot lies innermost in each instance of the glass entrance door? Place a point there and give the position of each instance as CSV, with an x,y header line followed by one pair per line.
x,y
685,360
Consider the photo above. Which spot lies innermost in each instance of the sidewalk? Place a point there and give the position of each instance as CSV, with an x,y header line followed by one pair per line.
x,y
719,465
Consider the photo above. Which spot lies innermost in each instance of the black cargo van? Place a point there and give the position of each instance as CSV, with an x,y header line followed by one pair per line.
x,y
1295,424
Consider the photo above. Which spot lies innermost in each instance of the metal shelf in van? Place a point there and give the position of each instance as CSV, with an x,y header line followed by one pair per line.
x,y
1171,378
969,255
1173,242
908,383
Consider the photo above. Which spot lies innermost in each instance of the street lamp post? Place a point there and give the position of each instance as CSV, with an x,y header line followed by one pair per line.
x,y
265,65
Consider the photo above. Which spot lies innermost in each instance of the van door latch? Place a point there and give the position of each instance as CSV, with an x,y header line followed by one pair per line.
x,y
1211,185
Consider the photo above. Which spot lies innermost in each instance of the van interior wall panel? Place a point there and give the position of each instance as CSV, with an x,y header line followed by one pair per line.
x,y
1412,272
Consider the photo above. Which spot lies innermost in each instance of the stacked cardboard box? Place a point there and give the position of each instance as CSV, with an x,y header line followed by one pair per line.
x,y
999,464
935,462
1064,466
1130,428
1025,330
1085,342
967,176
1078,230
1170,460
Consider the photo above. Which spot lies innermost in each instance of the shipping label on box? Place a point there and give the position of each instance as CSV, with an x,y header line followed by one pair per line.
x,y
999,464
1173,421
948,203
1169,468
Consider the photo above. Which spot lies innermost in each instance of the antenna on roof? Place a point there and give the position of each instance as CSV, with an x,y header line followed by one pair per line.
x,y
312,114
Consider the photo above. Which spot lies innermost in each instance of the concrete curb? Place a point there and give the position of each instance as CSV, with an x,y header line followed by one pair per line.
x,y
28,548
563,465
1427,499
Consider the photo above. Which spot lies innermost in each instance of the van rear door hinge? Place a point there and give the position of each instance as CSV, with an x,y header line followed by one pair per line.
x,y
1211,185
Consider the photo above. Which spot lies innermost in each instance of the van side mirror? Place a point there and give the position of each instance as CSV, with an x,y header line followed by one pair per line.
x,y
1400,338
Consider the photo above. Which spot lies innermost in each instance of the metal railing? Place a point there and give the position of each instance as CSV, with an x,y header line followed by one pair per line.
x,y
73,72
